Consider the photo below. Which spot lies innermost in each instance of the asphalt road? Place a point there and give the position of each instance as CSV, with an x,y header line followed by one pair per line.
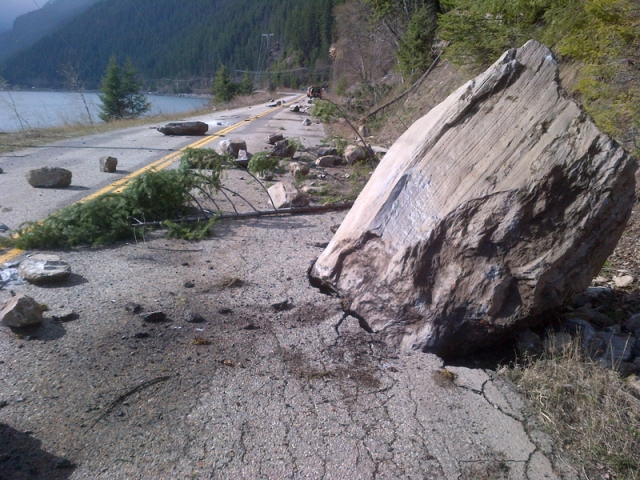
x,y
248,391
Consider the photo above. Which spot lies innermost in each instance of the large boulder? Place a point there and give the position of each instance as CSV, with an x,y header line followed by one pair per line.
x,y
21,311
49,177
286,195
355,153
184,128
284,149
231,146
502,203
40,269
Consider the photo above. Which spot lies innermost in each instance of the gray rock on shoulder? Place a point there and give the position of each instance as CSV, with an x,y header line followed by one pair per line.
x,y
41,269
231,147
21,311
244,158
297,168
49,177
306,122
108,164
503,202
324,151
284,149
329,161
285,195
184,128
354,154
274,138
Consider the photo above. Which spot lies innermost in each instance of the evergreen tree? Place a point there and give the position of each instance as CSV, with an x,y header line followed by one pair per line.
x,y
223,88
121,97
245,87
414,54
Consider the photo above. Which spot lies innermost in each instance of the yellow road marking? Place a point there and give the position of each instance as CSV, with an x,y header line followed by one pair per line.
x,y
119,185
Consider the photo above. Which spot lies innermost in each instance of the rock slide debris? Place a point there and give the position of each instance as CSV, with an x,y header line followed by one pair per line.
x,y
502,203
21,311
108,164
42,269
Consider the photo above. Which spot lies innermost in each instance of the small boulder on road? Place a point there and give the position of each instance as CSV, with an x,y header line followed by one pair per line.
x,y
21,311
41,269
286,195
49,177
108,164
184,128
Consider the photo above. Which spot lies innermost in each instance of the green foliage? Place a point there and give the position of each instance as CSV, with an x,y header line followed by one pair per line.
x,y
325,111
602,34
262,162
153,196
189,231
205,159
121,97
177,39
245,87
223,88
414,53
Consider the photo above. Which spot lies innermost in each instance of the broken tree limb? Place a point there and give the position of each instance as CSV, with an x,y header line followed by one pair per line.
x,y
405,93
258,213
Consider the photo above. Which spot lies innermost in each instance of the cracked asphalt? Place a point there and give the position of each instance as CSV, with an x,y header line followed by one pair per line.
x,y
247,390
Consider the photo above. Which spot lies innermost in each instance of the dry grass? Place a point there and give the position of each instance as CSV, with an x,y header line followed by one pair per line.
x,y
590,411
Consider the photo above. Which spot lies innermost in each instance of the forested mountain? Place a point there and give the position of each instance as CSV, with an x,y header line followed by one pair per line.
x,y
178,39
32,26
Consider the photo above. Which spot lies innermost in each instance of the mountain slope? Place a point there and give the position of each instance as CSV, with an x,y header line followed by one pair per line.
x,y
171,38
32,26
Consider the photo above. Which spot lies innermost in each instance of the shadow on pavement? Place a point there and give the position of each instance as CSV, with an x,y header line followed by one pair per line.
x,y
22,458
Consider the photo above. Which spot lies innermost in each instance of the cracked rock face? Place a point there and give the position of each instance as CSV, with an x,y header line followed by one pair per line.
x,y
500,204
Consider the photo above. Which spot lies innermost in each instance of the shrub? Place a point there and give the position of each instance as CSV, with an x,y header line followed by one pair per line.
x,y
262,162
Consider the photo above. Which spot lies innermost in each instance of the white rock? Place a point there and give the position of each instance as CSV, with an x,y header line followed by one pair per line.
x,y
623,281
40,269
285,195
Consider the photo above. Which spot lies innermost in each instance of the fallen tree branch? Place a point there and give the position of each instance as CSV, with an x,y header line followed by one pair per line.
x,y
405,93
118,401
259,213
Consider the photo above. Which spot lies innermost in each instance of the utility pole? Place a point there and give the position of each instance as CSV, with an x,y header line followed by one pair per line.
x,y
268,36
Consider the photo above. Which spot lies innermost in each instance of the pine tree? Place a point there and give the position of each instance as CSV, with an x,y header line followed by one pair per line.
x,y
245,87
121,97
223,88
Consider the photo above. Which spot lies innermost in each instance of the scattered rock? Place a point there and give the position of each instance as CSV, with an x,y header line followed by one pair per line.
x,y
328,161
189,284
281,305
244,158
1,171
296,169
306,122
41,269
324,151
453,260
594,317
3,228
194,317
633,324
65,316
142,335
49,177
354,154
21,311
184,128
225,311
379,151
294,108
615,348
153,316
231,146
286,195
364,132
133,307
274,138
284,149
108,164
251,326
623,281
334,228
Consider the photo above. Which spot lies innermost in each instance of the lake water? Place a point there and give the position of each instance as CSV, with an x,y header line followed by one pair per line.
x,y
20,110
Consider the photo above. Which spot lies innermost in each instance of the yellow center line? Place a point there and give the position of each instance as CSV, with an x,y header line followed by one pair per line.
x,y
119,185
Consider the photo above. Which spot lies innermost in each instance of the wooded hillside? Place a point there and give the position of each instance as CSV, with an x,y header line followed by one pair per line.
x,y
176,39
